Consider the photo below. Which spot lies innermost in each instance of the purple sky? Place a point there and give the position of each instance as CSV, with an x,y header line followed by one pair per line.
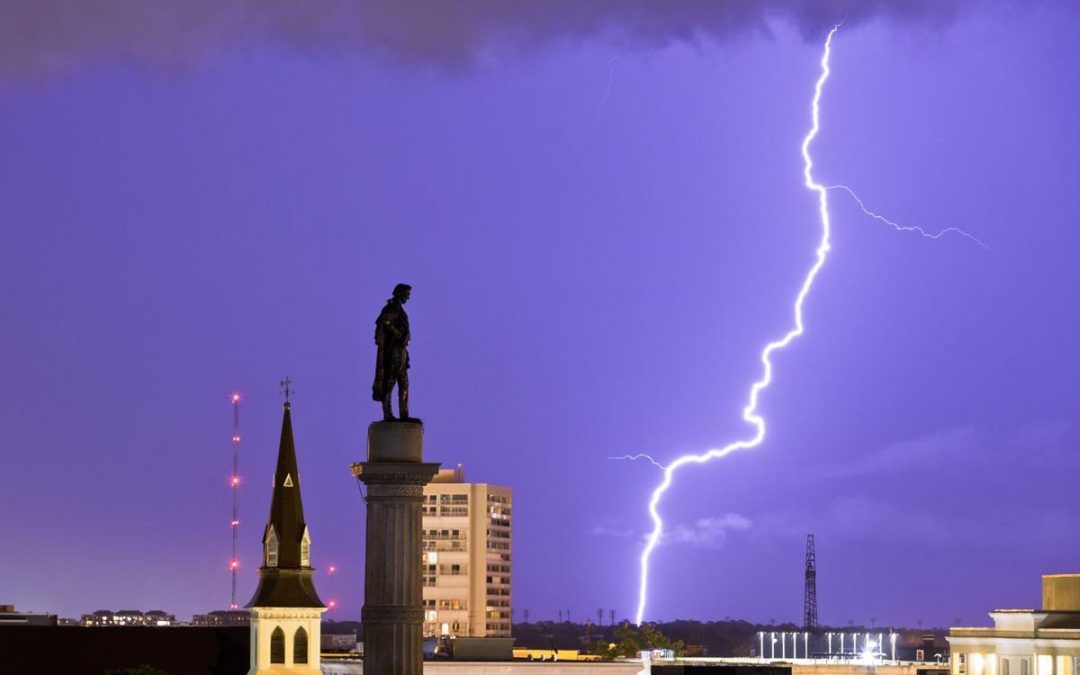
x,y
599,247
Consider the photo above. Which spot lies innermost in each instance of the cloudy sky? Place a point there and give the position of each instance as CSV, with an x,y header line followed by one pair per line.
x,y
600,207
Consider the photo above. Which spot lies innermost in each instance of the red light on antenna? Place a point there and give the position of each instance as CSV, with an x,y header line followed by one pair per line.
x,y
236,438
235,481
235,398
233,564
235,523
332,604
331,569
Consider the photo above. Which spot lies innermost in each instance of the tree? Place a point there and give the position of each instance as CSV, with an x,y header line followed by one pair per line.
x,y
630,639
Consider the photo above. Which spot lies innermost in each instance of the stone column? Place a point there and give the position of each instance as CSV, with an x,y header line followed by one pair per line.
x,y
393,613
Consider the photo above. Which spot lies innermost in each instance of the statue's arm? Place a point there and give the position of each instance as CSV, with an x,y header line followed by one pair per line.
x,y
385,324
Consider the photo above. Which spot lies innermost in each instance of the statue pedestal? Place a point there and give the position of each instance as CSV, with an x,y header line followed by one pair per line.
x,y
393,614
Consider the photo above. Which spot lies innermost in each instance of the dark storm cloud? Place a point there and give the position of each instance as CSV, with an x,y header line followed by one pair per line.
x,y
39,36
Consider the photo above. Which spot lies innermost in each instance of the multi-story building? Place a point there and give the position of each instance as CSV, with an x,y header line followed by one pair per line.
x,y
1025,641
467,557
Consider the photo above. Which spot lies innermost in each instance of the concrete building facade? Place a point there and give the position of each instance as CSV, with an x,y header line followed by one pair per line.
x,y
467,557
1025,641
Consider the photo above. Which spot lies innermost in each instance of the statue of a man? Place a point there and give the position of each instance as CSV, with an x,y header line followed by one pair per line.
x,y
392,359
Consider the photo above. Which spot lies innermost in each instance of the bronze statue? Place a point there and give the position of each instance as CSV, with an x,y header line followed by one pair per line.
x,y
392,359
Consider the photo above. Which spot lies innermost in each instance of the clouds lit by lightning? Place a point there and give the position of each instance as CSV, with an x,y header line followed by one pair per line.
x,y
749,413
906,228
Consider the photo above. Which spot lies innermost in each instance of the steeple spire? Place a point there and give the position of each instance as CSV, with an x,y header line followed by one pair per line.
x,y
285,575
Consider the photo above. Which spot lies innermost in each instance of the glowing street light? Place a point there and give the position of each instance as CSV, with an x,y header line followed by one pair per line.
x,y
868,650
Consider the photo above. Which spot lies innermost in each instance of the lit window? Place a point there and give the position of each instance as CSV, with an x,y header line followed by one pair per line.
x,y
305,550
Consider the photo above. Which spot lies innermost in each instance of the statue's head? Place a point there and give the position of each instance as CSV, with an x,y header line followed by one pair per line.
x,y
402,293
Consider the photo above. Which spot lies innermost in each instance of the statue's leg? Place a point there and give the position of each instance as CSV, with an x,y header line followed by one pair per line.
x,y
403,395
387,413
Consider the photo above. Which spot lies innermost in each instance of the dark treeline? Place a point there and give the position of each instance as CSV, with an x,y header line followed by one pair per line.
x,y
709,638
702,638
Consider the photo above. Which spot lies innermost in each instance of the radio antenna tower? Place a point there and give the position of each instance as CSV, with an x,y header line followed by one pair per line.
x,y
234,484
810,593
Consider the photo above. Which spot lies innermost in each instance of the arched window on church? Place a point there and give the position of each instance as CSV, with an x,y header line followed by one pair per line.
x,y
277,646
305,550
300,646
271,548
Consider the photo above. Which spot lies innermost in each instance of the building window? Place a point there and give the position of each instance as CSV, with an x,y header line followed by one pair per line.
x,y
277,646
305,550
299,650
271,548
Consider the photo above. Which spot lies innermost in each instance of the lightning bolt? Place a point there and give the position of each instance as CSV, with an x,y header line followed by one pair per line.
x,y
610,81
641,455
749,413
906,228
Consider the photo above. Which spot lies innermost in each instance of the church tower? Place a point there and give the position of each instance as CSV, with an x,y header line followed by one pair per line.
x,y
285,612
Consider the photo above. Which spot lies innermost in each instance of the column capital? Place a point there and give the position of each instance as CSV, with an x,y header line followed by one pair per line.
x,y
395,473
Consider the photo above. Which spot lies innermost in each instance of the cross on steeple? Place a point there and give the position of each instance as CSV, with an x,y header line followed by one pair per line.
x,y
286,387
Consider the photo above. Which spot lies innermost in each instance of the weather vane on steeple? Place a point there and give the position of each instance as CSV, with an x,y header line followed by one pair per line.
x,y
286,387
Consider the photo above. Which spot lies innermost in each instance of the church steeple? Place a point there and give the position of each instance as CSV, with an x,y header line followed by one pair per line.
x,y
285,575
286,611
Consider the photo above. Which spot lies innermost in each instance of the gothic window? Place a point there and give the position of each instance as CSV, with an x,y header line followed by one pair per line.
x,y
271,548
277,646
305,550
300,646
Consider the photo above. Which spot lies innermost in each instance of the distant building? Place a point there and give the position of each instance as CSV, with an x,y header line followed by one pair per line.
x,y
156,617
339,642
127,617
1025,641
9,617
467,544
286,610
223,617
341,636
